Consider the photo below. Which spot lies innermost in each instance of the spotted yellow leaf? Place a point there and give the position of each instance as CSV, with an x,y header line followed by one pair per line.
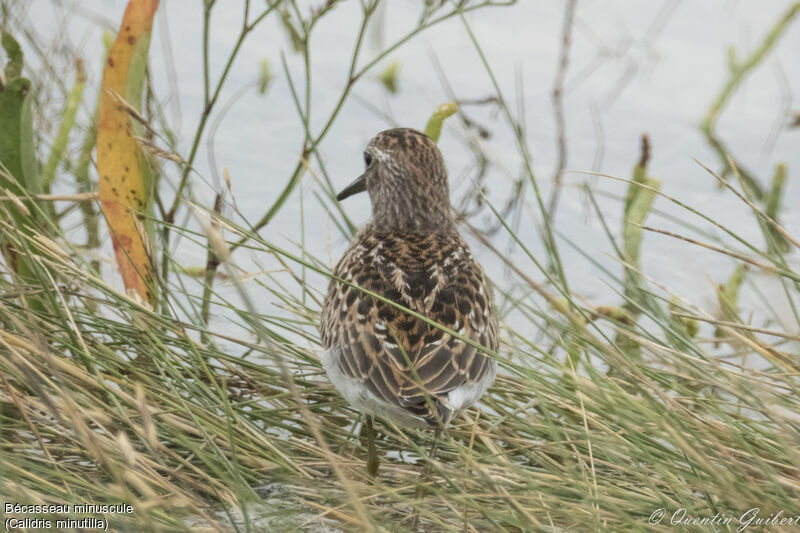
x,y
124,187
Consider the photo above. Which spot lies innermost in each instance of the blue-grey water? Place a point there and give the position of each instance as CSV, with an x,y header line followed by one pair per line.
x,y
635,67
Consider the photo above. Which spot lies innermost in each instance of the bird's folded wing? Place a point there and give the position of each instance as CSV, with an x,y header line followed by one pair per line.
x,y
402,359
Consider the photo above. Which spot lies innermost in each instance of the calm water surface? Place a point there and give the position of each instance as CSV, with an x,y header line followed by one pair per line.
x,y
635,67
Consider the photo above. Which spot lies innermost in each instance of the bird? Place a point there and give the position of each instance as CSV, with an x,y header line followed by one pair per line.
x,y
385,361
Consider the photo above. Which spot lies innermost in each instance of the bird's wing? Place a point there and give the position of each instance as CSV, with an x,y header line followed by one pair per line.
x,y
401,358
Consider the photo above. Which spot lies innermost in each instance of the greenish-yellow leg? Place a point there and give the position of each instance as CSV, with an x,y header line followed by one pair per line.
x,y
426,473
373,461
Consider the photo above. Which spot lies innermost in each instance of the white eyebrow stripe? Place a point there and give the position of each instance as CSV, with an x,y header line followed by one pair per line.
x,y
379,154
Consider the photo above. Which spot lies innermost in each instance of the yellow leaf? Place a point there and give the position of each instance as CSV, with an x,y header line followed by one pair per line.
x,y
123,176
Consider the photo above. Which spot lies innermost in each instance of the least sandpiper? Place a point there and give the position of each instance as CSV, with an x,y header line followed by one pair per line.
x,y
385,361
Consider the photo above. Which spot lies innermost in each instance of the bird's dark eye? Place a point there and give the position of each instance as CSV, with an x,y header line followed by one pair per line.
x,y
367,159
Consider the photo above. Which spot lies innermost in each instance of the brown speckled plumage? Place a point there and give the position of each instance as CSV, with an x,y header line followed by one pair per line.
x,y
410,252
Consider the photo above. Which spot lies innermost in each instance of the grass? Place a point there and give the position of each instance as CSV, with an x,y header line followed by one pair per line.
x,y
601,414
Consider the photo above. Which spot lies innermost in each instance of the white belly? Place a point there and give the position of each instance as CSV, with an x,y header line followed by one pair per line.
x,y
357,394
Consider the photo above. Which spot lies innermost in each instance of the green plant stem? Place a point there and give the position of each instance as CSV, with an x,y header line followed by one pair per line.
x,y
354,75
549,240
739,71
247,27
67,122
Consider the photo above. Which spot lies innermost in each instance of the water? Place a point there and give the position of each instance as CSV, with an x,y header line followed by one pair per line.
x,y
634,67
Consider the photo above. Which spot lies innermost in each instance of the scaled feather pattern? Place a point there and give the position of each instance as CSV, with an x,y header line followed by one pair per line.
x,y
385,361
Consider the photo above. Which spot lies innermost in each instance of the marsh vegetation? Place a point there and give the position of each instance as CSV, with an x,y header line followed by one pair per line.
x,y
650,354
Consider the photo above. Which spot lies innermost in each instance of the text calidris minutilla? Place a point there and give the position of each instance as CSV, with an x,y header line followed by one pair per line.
x,y
384,361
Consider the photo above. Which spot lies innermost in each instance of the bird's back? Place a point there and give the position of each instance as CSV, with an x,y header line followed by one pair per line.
x,y
387,357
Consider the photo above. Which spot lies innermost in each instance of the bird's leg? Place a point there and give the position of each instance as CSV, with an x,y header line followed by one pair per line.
x,y
373,461
437,433
426,472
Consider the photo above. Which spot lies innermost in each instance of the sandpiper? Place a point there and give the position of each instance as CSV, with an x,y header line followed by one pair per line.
x,y
385,361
